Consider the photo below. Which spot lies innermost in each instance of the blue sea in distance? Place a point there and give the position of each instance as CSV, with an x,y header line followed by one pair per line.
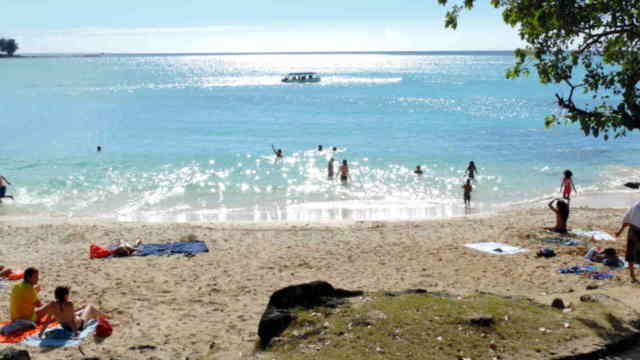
x,y
188,137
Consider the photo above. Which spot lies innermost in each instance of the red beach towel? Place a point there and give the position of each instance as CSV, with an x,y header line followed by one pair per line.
x,y
97,252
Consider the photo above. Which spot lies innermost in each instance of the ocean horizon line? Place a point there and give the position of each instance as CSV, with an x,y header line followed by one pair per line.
x,y
381,52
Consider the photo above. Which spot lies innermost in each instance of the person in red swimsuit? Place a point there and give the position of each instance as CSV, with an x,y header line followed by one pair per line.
x,y
567,185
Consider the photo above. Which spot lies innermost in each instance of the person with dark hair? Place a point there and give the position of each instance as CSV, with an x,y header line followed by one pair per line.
x,y
330,169
471,170
567,185
418,170
3,188
562,215
24,297
632,221
278,152
344,173
63,311
320,148
467,189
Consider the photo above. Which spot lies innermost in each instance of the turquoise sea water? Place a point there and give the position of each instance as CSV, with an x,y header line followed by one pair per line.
x,y
188,138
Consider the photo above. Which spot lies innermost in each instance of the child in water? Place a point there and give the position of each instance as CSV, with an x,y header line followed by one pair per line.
x,y
467,193
567,185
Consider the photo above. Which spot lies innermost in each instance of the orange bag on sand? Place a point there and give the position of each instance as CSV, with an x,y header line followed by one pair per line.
x,y
15,275
97,252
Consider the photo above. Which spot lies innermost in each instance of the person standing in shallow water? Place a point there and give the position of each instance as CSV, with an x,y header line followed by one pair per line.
x,y
277,152
467,189
330,169
3,188
319,148
471,171
567,185
344,173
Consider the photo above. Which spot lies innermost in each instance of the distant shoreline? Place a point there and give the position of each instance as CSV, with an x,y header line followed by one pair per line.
x,y
404,53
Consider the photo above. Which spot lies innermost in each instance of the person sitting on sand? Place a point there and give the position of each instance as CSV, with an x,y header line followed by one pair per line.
x,y
4,272
608,256
632,221
418,170
562,215
63,311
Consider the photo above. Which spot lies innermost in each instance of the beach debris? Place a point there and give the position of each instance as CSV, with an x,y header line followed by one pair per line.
x,y
588,298
567,325
189,238
14,354
439,338
484,320
558,304
592,286
277,317
142,348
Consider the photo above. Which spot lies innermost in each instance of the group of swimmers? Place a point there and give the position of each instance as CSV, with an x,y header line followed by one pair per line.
x,y
27,311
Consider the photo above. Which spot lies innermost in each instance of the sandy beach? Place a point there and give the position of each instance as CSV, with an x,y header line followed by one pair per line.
x,y
188,307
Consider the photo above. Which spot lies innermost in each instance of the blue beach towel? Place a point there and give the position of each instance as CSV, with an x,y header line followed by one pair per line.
x,y
589,271
561,241
59,337
183,247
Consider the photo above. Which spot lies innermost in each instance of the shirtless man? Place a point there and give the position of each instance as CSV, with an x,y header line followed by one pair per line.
x,y
63,311
3,188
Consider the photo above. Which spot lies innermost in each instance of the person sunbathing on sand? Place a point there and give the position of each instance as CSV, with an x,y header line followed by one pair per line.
x,y
562,215
124,249
63,311
4,272
608,256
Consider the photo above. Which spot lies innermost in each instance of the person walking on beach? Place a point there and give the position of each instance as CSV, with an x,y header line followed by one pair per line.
x,y
418,171
3,188
567,185
467,189
277,152
344,173
330,169
63,311
471,171
632,221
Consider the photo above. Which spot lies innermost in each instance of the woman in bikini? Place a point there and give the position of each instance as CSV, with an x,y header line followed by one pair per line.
x,y
63,311
562,215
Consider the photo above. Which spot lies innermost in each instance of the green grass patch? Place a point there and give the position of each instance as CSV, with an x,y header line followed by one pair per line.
x,y
426,326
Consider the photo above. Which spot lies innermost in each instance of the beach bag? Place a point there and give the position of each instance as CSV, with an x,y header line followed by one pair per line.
x,y
104,329
97,252
15,275
546,252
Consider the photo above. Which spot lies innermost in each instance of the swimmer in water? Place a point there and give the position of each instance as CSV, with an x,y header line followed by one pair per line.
x,y
277,152
418,170
471,171
330,169
320,148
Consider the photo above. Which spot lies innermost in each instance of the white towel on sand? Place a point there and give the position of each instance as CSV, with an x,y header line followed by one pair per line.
x,y
594,234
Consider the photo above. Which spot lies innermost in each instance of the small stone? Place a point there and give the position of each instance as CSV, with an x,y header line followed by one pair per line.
x,y
592,286
481,320
14,354
567,310
557,303
588,298
567,325
439,338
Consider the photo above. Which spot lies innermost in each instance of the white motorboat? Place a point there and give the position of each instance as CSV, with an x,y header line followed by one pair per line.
x,y
301,77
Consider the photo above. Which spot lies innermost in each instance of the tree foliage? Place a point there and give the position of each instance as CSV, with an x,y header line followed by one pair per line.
x,y
10,46
591,46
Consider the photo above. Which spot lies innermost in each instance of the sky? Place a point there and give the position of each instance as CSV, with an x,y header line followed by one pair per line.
x,y
161,26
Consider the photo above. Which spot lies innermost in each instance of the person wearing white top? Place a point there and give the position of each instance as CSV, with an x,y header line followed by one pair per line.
x,y
632,221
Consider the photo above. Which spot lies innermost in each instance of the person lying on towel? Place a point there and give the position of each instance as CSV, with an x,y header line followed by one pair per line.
x,y
4,272
24,303
124,249
608,256
63,311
